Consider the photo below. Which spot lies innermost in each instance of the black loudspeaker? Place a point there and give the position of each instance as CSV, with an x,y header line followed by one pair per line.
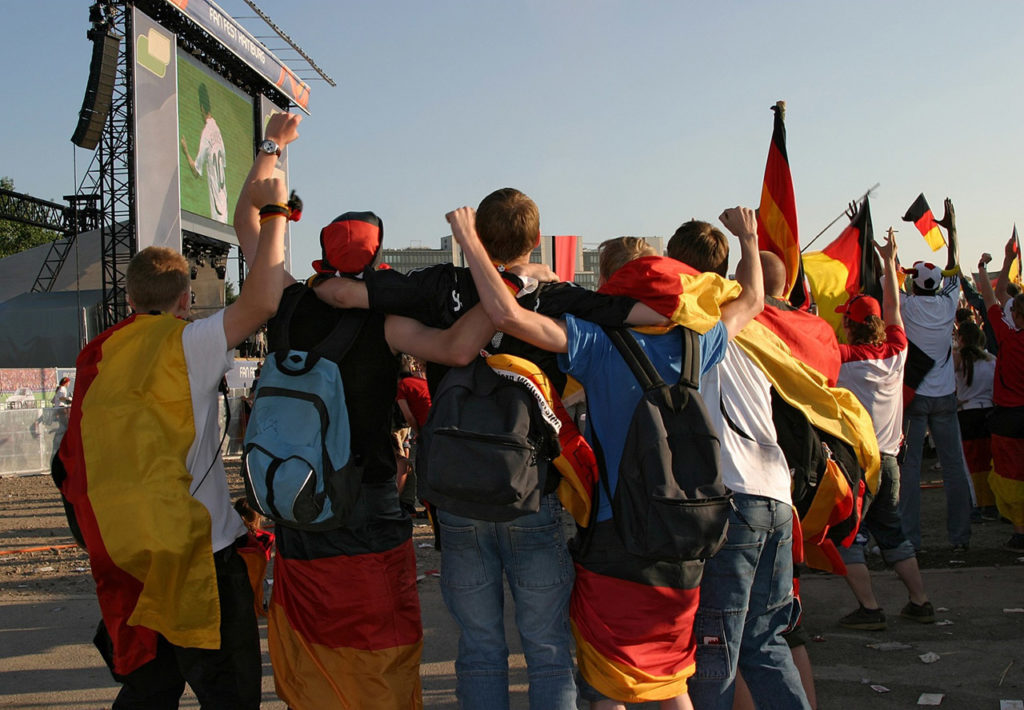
x,y
99,91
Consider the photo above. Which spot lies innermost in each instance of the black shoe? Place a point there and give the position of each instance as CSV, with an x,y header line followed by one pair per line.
x,y
921,613
864,620
1015,543
959,549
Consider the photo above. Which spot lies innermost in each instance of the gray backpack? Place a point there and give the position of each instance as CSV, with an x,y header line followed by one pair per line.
x,y
485,450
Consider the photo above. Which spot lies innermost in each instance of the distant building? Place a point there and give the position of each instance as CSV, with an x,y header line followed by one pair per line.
x,y
418,257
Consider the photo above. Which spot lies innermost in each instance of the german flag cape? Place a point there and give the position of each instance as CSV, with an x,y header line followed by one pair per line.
x,y
129,432
344,627
835,513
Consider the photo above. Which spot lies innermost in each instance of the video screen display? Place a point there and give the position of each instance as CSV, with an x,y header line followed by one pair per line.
x,y
216,137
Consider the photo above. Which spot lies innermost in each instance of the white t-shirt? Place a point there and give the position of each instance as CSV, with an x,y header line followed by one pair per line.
x,y
208,358
753,464
928,321
978,394
874,373
211,161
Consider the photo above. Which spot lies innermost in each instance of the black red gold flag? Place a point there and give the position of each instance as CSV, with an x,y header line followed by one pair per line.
x,y
844,268
921,215
776,219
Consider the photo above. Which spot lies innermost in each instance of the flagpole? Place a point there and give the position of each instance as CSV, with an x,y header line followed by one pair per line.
x,y
840,216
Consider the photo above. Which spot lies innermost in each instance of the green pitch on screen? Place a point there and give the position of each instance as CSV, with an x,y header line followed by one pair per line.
x,y
233,113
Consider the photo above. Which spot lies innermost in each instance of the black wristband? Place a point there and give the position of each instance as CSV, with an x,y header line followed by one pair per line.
x,y
274,209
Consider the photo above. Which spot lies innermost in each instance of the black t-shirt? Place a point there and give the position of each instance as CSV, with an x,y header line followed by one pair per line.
x,y
369,373
439,295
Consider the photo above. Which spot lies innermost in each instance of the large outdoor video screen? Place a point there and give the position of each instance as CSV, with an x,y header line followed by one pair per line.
x,y
216,135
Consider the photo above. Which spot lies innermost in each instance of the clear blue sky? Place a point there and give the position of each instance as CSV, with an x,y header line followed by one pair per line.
x,y
617,117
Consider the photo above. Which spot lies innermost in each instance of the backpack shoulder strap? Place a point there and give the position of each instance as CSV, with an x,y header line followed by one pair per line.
x,y
639,364
689,373
642,367
279,327
343,336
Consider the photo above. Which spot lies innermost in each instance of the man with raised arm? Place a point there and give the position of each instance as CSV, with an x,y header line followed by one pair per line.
x,y
146,482
625,654
344,619
873,363
1007,422
746,598
928,310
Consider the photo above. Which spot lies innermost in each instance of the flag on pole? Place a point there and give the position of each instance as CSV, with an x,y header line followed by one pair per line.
x,y
776,219
921,215
564,257
1015,270
844,268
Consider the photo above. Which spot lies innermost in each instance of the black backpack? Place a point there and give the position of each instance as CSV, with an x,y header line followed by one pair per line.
x,y
670,503
485,450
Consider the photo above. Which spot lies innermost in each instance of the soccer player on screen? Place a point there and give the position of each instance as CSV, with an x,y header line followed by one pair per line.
x,y
210,160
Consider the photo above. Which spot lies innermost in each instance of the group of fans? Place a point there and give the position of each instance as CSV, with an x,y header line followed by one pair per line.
x,y
148,495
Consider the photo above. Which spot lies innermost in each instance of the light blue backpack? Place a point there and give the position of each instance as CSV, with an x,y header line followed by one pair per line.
x,y
297,460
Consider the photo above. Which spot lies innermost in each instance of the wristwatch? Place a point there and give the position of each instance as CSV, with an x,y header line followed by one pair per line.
x,y
270,148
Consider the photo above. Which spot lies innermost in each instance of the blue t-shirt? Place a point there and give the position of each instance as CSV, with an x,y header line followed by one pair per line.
x,y
612,390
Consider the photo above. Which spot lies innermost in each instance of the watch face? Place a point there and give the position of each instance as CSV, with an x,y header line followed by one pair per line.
x,y
270,147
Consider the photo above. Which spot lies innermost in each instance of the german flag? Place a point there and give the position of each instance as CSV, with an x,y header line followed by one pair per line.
x,y
832,517
149,540
1015,270
344,618
921,215
632,619
776,219
844,268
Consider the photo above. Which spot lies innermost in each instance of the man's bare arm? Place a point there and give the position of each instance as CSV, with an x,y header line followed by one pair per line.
x,y
282,129
455,346
344,292
984,283
891,288
261,292
742,221
1009,254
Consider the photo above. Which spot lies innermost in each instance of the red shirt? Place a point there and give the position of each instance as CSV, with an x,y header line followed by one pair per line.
x,y
414,391
1008,389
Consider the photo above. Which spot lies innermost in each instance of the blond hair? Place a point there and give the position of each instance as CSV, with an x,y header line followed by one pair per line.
x,y
613,254
156,278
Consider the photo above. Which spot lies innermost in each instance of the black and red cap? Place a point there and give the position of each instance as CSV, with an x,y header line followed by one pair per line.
x,y
350,243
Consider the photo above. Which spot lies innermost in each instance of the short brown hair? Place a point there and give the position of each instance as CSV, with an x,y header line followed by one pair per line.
x,y
156,278
508,223
870,332
613,254
701,246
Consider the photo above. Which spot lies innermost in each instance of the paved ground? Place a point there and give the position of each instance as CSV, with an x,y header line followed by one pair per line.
x,y
49,614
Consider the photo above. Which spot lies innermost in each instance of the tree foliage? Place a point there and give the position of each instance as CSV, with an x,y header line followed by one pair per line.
x,y
16,237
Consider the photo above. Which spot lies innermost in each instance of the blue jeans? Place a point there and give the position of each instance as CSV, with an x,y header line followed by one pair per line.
x,y
746,602
531,551
939,415
882,521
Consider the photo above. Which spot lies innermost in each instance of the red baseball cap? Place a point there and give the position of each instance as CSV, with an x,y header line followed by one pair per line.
x,y
859,307
350,243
